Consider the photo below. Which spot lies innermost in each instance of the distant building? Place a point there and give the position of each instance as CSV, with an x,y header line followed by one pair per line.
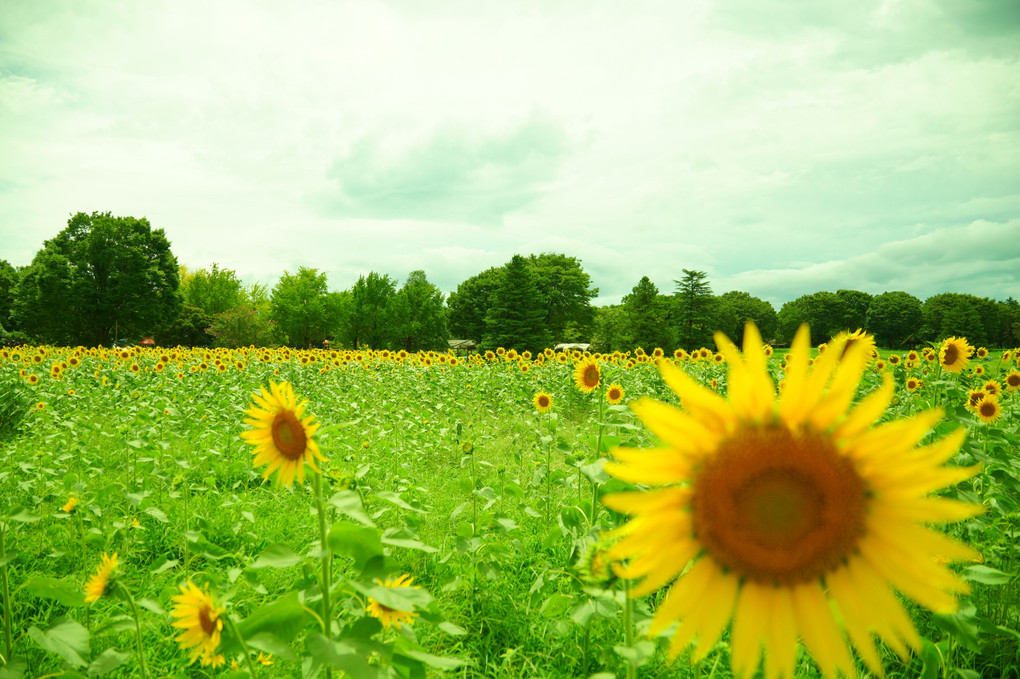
x,y
462,346
580,346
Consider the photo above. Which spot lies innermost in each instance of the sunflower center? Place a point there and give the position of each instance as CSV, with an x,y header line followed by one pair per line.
x,y
207,622
778,508
986,408
951,354
289,435
591,376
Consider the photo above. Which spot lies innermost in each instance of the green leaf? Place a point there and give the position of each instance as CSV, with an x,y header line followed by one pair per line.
x,y
440,663
24,516
67,639
108,660
165,566
397,598
341,656
638,654
14,669
393,498
276,556
348,503
284,618
156,514
267,642
555,605
594,471
62,592
358,542
986,575
152,606
399,537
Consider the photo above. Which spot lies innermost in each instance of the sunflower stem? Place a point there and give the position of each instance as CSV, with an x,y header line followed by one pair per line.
x,y
8,641
138,626
327,577
598,452
244,646
628,627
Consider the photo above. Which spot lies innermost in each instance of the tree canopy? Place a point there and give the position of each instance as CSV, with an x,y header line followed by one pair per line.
x,y
517,316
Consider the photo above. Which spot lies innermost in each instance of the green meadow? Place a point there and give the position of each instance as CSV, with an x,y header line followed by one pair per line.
x,y
436,467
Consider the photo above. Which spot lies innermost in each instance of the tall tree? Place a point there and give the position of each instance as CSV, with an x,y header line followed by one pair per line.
x,y
99,278
517,317
568,292
693,310
855,305
737,308
823,311
645,312
894,318
611,332
214,290
469,304
243,326
8,287
369,323
299,307
951,313
418,315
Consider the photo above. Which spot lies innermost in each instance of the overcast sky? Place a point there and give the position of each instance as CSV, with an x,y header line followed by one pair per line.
x,y
782,146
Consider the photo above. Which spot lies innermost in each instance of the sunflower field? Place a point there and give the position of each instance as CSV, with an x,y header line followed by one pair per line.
x,y
799,512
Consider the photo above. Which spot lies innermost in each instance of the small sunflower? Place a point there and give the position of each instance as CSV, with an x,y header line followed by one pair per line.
x,y
392,617
543,402
199,619
974,397
98,584
981,352
786,508
988,409
71,503
1012,380
281,435
955,353
913,384
614,394
992,387
587,375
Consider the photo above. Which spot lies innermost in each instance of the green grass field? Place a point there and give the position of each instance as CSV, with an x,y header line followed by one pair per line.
x,y
438,468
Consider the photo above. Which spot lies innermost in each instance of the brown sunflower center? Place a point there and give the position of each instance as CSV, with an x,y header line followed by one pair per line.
x,y
208,622
288,435
951,354
777,508
543,401
987,408
591,376
1013,380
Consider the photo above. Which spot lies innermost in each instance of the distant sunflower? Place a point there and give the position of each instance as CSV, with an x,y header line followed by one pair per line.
x,y
281,435
784,507
543,402
975,396
981,352
71,503
988,409
913,384
392,617
894,359
1012,380
912,356
587,375
199,618
955,353
992,387
97,585
614,394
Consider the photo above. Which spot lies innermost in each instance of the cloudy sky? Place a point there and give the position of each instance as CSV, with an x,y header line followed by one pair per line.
x,y
782,146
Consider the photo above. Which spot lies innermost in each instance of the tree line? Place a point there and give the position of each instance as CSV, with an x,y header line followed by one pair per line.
x,y
105,278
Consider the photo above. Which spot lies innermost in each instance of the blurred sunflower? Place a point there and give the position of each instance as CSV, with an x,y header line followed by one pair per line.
x,y
97,585
199,619
587,375
785,506
1012,380
281,435
955,353
392,617
543,402
992,387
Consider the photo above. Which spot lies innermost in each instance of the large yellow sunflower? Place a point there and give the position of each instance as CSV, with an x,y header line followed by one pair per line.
x,y
955,353
199,618
281,436
587,375
785,507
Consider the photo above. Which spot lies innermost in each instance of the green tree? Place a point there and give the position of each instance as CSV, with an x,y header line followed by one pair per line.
x,y
100,278
825,312
187,329
611,332
645,312
8,288
418,315
369,323
213,290
517,317
693,310
469,304
243,326
855,306
953,314
299,307
894,318
567,291
735,308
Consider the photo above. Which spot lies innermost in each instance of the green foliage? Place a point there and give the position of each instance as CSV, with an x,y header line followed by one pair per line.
x,y
855,306
8,287
418,315
825,312
213,290
735,308
611,329
693,310
188,329
370,317
567,291
517,315
243,327
954,314
645,315
470,303
894,318
101,278
302,309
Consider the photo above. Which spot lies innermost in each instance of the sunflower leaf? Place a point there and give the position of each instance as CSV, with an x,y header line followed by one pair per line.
x,y
276,556
107,661
50,588
67,639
